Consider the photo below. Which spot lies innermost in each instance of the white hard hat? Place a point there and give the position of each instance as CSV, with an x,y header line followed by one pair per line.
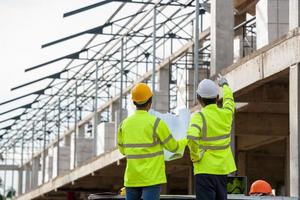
x,y
207,89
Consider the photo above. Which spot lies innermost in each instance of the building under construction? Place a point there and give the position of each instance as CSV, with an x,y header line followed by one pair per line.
x,y
62,141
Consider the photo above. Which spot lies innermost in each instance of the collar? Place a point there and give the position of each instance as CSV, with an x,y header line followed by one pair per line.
x,y
141,112
210,106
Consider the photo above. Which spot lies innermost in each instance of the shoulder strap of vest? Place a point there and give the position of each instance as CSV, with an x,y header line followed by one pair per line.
x,y
204,126
157,120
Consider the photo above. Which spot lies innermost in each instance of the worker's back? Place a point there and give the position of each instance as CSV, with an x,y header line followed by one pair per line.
x,y
141,139
211,140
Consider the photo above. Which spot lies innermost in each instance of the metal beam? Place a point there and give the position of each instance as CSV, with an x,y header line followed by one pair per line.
x,y
52,76
69,56
38,92
9,167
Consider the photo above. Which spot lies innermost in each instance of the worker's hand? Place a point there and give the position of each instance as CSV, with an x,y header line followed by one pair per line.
x,y
222,80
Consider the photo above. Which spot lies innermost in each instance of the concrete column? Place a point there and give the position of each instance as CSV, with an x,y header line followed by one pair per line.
x,y
162,95
114,107
49,167
27,177
222,22
83,151
20,181
272,20
67,140
35,172
64,161
106,139
81,131
294,14
294,130
117,119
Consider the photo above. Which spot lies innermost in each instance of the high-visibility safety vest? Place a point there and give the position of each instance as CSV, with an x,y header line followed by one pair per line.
x,y
209,137
141,138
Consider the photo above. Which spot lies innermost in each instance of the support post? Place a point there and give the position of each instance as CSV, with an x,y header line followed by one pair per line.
x,y
294,112
58,137
32,141
75,128
4,179
121,84
196,51
13,171
20,185
95,109
154,58
44,148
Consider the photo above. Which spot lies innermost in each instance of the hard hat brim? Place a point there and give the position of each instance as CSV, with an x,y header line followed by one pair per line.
x,y
142,102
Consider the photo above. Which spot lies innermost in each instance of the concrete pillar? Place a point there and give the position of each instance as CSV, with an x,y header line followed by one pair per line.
x,y
27,177
114,107
35,172
64,161
81,131
67,140
20,181
84,151
49,167
294,14
162,95
272,20
294,150
222,22
106,139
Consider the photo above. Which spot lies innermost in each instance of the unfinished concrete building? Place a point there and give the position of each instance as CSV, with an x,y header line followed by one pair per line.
x,y
63,142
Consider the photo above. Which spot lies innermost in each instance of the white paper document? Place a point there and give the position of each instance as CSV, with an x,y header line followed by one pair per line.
x,y
178,125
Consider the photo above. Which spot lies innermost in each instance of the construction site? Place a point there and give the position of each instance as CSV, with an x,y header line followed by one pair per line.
x,y
61,143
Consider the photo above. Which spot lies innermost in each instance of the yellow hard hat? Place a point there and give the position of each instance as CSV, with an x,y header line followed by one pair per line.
x,y
141,93
123,191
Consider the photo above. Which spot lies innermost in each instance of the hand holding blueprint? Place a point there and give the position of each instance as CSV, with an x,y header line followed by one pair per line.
x,y
178,126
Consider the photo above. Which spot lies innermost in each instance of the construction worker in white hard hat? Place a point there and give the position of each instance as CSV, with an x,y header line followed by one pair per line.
x,y
141,138
209,140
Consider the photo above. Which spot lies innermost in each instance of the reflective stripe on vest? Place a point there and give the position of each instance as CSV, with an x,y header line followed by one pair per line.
x,y
210,139
154,143
206,147
141,145
148,155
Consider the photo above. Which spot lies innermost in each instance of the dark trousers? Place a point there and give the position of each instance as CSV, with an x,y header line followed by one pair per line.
x,y
211,187
148,193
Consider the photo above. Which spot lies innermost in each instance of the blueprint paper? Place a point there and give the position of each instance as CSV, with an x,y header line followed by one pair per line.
x,y
178,125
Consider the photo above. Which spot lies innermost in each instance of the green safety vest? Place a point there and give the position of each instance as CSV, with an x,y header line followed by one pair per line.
x,y
209,138
141,138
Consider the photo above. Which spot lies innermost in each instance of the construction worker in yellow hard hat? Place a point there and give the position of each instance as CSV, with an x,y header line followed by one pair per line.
x,y
141,138
209,140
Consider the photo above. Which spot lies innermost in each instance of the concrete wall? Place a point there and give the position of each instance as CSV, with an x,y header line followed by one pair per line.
x,y
272,20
